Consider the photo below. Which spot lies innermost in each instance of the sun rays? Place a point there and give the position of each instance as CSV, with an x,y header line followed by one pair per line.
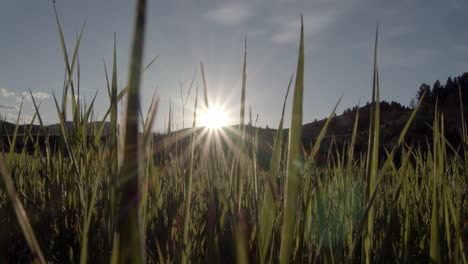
x,y
214,117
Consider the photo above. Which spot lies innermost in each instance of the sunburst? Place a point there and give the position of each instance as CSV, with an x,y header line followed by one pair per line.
x,y
214,117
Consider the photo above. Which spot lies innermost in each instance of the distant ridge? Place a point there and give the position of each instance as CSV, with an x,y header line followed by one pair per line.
x,y
392,120
7,128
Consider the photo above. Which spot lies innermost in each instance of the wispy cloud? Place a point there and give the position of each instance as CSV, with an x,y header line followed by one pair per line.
x,y
231,13
6,93
289,27
8,107
26,95
77,98
12,117
10,104
38,96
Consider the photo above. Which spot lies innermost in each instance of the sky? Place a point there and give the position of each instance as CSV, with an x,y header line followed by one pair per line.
x,y
419,41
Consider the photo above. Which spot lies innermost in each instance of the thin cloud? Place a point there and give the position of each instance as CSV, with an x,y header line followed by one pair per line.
x,y
289,27
6,93
231,13
77,98
8,107
12,118
38,96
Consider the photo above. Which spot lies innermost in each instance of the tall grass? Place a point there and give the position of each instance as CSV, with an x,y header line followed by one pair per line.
x,y
128,235
201,195
294,165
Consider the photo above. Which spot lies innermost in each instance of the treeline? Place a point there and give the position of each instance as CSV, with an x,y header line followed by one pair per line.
x,y
446,96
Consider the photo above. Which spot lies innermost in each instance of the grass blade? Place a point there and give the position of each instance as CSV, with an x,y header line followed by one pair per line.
x,y
373,155
267,214
244,78
21,215
126,89
131,247
186,245
205,88
294,161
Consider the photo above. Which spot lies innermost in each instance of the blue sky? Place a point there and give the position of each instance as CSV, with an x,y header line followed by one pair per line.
x,y
420,41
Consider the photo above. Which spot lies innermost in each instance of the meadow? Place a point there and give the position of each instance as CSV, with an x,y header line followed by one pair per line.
x,y
95,198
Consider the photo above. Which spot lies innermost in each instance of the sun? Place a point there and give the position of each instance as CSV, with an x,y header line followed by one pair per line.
x,y
214,117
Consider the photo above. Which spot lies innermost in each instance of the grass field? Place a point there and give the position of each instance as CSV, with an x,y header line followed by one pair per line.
x,y
95,200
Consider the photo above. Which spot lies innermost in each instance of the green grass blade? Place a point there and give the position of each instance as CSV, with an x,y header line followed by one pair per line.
x,y
205,88
353,141
131,247
462,113
169,121
435,249
66,139
113,113
150,120
185,238
126,89
21,215
69,68
87,222
294,161
15,136
244,78
268,211
373,155
322,133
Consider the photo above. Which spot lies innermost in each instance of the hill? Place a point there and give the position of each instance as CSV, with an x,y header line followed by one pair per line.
x,y
393,118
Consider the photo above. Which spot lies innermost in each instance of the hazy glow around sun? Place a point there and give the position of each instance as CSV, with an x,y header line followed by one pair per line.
x,y
214,117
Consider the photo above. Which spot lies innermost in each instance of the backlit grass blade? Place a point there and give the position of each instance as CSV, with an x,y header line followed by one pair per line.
x,y
402,135
323,131
435,249
184,100
205,88
69,68
169,121
113,101
268,211
147,146
125,90
147,132
244,78
131,245
41,126
353,141
77,114
87,222
185,238
241,151
372,155
88,110
463,124
294,166
66,140
107,79
15,136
